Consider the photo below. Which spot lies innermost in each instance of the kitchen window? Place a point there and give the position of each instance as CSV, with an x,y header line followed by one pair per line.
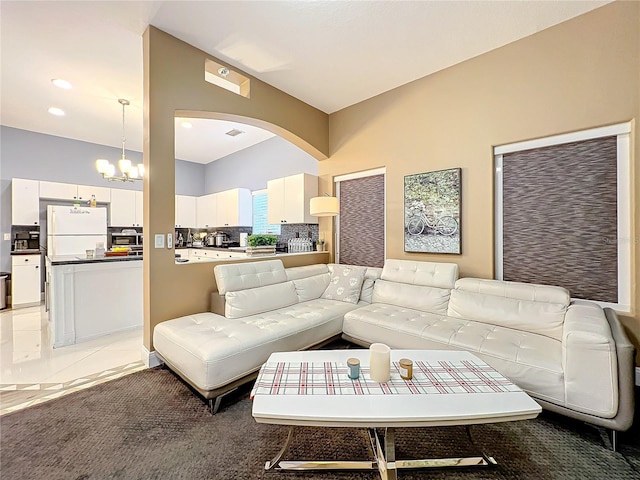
x,y
260,223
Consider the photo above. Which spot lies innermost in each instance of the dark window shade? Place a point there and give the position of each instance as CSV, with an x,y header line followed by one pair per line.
x,y
362,221
560,217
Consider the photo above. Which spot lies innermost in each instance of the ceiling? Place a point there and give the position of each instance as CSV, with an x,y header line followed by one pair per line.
x,y
330,54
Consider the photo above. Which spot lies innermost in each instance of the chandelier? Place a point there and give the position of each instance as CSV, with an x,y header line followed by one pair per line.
x,y
129,172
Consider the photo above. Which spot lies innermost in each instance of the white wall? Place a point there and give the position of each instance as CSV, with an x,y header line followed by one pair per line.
x,y
252,167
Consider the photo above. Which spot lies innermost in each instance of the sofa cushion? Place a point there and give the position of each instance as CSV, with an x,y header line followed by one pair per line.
x,y
516,290
310,288
370,276
510,304
212,351
241,276
259,300
428,274
295,273
533,362
345,283
426,299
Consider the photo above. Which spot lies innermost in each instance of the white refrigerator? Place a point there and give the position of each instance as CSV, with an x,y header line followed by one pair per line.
x,y
74,230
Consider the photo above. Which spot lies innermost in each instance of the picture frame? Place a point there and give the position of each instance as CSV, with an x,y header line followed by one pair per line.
x,y
432,208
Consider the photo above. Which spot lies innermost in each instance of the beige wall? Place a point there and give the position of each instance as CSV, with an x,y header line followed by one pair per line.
x,y
174,82
581,74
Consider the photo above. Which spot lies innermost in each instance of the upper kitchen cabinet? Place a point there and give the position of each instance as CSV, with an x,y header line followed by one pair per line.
x,y
185,211
102,194
288,198
25,202
234,208
69,191
139,209
126,208
206,211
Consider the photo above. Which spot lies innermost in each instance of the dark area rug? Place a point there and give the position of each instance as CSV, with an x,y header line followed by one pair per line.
x,y
149,425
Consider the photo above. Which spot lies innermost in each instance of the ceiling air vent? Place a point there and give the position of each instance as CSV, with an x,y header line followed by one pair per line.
x,y
234,133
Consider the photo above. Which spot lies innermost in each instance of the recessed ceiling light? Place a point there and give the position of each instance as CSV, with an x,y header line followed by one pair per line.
x,y
60,83
186,124
234,133
58,112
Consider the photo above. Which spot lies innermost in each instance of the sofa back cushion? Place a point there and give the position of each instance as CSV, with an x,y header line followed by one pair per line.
x,y
371,275
241,276
295,273
532,308
417,297
427,274
243,303
310,288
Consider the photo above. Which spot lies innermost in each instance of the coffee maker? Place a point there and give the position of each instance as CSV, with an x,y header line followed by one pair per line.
x,y
26,240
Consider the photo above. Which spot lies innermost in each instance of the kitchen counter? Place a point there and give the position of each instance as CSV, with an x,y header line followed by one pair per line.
x,y
228,254
91,297
28,251
79,259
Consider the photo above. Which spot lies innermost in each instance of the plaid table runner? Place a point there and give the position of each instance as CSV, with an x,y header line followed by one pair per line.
x,y
331,378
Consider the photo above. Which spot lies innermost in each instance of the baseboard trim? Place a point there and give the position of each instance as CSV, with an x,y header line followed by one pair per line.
x,y
150,359
637,376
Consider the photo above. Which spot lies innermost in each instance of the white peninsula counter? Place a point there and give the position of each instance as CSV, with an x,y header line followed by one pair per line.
x,y
89,298
185,256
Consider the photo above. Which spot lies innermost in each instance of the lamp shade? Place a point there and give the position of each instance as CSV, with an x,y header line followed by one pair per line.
x,y
324,206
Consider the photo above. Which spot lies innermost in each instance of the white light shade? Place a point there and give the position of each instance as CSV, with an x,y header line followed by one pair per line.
x,y
124,165
102,165
111,170
141,169
133,172
324,206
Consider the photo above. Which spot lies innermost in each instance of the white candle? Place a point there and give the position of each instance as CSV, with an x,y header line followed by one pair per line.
x,y
380,362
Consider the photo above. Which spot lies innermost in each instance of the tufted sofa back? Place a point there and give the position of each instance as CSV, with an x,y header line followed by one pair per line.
x,y
424,286
241,276
533,308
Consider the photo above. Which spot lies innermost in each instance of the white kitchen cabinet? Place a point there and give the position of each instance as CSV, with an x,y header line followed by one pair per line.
x,y
185,211
59,191
25,202
206,211
102,194
139,209
25,280
122,208
70,191
288,198
234,208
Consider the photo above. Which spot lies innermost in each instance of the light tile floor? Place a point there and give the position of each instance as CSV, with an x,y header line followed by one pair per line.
x,y
31,371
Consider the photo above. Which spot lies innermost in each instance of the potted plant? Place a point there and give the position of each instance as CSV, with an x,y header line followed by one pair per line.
x,y
261,244
320,245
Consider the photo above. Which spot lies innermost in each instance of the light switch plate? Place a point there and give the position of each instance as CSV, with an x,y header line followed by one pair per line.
x,y
7,236
169,240
159,240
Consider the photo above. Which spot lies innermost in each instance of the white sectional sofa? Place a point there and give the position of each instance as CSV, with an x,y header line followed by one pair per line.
x,y
572,357
267,308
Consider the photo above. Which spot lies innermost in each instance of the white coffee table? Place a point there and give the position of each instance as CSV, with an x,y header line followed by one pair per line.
x,y
311,388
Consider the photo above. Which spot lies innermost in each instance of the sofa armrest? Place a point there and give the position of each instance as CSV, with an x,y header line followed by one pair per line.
x,y
589,361
626,353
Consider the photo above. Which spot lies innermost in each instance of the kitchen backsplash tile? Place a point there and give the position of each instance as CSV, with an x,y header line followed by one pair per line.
x,y
287,232
298,230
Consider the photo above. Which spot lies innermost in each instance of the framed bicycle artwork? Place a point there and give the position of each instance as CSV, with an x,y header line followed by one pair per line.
x,y
432,212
